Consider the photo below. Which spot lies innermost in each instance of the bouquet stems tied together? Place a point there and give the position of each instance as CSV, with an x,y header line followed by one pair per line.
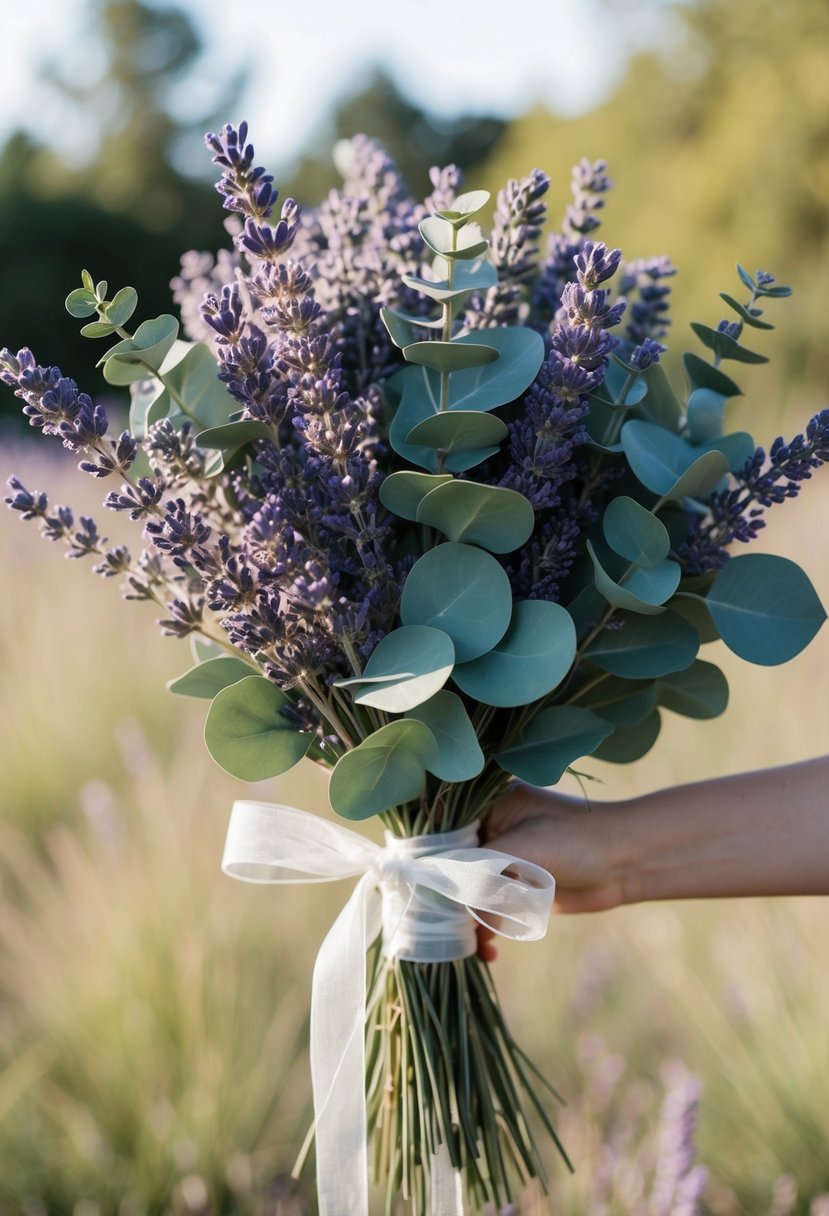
x,y
432,516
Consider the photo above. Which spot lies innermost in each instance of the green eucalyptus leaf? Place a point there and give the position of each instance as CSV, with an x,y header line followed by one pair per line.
x,y
234,435
402,329
387,769
765,608
672,468
101,289
143,353
531,659
634,532
644,648
624,385
660,403
704,375
203,650
406,667
248,735
403,492
459,431
700,691
97,329
465,206
81,303
695,613
452,241
750,316
521,353
88,281
496,518
629,743
122,306
620,702
459,754
209,678
746,278
194,377
724,346
462,591
450,356
642,590
469,276
551,741
705,415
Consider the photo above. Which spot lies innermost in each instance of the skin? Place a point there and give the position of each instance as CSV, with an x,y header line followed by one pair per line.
x,y
758,833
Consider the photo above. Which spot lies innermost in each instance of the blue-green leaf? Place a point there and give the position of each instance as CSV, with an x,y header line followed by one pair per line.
x,y
81,303
143,353
531,659
234,435
705,375
551,741
700,691
247,733
765,608
485,388
403,492
450,240
629,743
462,591
660,404
459,754
195,379
705,415
450,356
406,667
460,431
97,329
751,316
620,702
634,532
724,346
122,305
643,648
387,769
465,206
475,276
640,589
672,468
496,518
210,677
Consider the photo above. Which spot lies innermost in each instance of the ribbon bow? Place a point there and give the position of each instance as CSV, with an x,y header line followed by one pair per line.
x,y
279,844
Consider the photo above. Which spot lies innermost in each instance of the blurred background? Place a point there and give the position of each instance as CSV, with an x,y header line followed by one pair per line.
x,y
153,1014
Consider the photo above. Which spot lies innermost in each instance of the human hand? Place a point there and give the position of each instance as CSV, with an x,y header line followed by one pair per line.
x,y
578,845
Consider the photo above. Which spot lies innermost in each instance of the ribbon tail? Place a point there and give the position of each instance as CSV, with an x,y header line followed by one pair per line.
x,y
338,1004
447,1185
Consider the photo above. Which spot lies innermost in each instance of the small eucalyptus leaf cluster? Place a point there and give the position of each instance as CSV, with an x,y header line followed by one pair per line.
x,y
434,517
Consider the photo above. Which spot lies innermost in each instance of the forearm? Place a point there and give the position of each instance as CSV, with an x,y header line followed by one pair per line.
x,y
761,833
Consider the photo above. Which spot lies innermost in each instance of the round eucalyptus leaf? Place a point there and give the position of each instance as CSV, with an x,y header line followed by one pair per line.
x,y
551,741
406,667
465,206
620,702
624,385
194,377
634,532
705,415
385,770
451,240
248,735
459,431
629,743
210,677
644,648
235,435
496,518
134,358
695,613
660,404
143,396
462,591
122,305
619,596
485,388
399,328
765,608
450,356
479,275
700,691
531,659
97,329
81,303
403,492
660,460
459,754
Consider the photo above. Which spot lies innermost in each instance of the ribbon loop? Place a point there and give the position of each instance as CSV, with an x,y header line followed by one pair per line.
x,y
433,889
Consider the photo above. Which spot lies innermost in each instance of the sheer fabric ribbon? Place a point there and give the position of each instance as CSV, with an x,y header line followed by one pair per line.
x,y
423,894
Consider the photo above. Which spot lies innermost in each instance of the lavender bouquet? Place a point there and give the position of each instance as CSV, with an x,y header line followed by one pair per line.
x,y
430,524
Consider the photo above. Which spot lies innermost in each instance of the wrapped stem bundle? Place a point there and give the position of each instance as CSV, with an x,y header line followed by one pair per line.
x,y
431,525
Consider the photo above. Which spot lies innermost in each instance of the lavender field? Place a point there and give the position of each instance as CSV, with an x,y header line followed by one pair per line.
x,y
153,1014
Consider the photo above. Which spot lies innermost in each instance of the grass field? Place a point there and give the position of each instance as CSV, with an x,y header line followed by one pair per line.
x,y
153,1014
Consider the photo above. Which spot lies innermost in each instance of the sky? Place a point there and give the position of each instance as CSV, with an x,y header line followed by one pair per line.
x,y
496,56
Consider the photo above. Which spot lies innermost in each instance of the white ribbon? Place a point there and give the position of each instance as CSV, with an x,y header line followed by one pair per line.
x,y
418,880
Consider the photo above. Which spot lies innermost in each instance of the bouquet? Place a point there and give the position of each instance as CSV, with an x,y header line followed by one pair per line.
x,y
432,516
